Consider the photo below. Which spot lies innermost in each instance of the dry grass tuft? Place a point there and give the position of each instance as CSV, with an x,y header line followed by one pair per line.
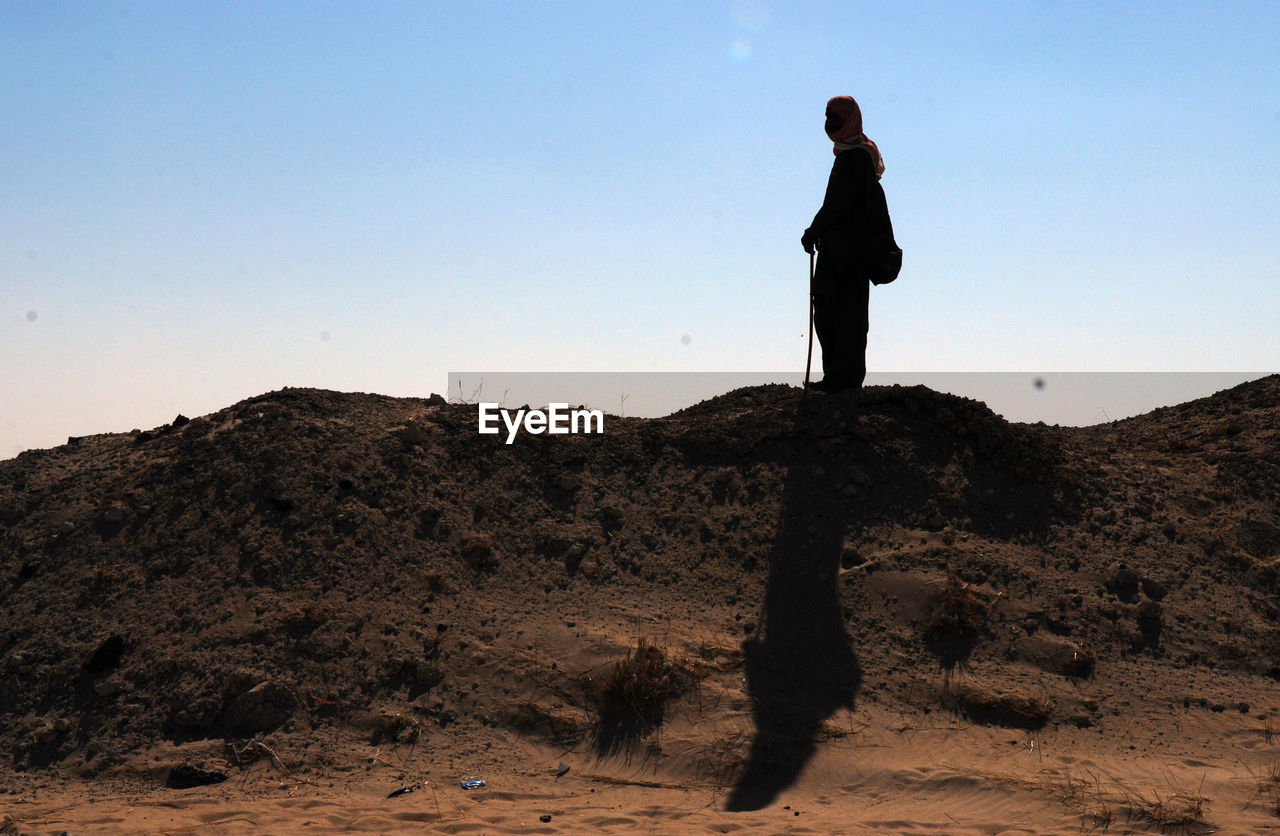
x,y
1271,776
632,699
1174,811
1180,809
1101,817
642,683
1081,664
722,758
959,614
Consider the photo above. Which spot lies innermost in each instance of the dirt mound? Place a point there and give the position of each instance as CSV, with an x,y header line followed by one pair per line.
x,y
307,563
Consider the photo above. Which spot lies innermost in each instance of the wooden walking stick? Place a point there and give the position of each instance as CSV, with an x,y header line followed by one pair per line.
x,y
808,360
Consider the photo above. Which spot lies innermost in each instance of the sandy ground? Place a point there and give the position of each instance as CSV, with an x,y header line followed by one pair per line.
x,y
880,775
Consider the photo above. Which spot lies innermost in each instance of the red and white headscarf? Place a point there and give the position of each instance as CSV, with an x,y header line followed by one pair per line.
x,y
850,134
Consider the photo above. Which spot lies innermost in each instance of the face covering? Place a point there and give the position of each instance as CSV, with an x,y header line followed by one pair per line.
x,y
849,134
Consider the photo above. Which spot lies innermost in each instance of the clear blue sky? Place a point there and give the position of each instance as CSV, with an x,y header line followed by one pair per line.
x,y
200,202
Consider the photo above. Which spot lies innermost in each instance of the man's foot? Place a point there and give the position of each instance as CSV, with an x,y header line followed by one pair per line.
x,y
829,385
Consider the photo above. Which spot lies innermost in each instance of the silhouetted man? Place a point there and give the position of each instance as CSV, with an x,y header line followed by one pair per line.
x,y
852,213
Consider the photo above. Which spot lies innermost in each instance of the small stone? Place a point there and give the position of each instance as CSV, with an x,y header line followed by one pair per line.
x,y
106,687
412,433
1153,589
262,708
544,819
200,713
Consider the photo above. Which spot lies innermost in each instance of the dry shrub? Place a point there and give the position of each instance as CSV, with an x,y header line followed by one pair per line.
x,y
1081,664
1015,711
643,682
632,699
959,613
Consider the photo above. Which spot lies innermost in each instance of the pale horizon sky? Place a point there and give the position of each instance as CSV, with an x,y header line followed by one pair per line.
x,y
203,202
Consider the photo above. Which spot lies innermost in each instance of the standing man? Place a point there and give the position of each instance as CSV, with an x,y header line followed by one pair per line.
x,y
853,213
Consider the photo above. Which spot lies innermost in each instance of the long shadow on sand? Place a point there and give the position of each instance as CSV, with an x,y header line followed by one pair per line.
x,y
804,668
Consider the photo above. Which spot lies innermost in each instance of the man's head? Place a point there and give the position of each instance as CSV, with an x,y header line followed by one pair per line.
x,y
844,118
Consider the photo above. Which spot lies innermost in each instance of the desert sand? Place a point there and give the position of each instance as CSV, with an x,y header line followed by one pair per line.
x,y
773,612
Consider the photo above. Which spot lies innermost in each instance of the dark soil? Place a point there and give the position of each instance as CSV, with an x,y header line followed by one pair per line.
x,y
304,561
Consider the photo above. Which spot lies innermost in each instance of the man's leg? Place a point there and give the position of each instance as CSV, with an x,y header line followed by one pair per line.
x,y
840,321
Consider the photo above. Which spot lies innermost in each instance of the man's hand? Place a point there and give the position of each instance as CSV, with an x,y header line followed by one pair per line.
x,y
809,241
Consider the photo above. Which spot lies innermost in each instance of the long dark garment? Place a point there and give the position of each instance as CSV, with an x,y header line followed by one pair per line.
x,y
841,288
840,319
